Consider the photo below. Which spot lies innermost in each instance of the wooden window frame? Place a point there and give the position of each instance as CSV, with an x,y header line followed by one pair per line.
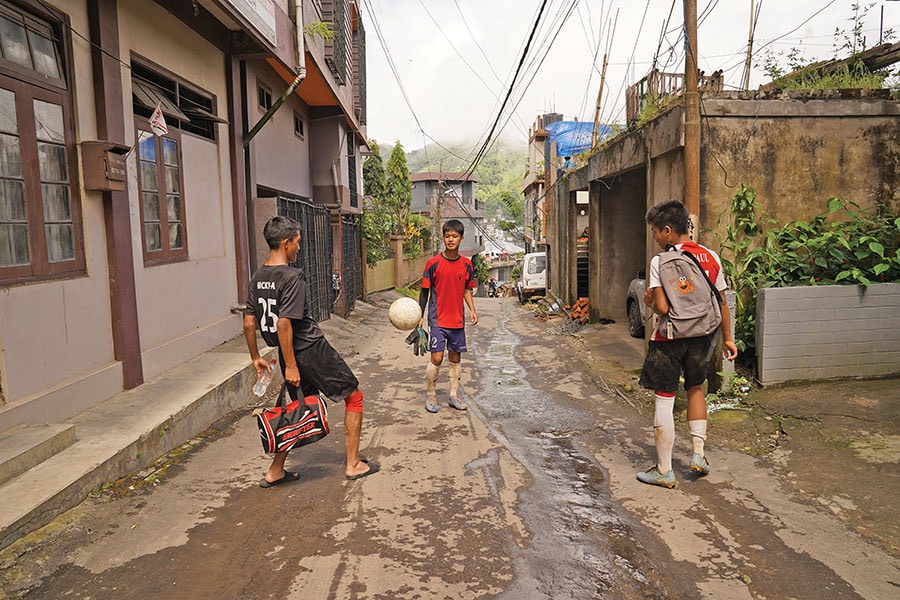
x,y
260,89
28,86
164,255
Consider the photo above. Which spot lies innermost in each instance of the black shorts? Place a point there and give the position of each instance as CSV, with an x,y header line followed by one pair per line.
x,y
323,369
667,360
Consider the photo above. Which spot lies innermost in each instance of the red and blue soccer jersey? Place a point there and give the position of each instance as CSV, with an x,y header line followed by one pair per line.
x,y
448,281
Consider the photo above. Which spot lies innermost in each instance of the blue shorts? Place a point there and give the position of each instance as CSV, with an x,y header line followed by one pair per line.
x,y
443,338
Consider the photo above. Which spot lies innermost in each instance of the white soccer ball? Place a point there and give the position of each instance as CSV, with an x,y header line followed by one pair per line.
x,y
405,314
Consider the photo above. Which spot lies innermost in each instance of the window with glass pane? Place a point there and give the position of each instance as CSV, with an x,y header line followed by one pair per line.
x,y
40,213
162,204
29,43
13,222
54,174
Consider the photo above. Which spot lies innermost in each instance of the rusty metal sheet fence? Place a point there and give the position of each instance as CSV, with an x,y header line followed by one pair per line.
x,y
315,256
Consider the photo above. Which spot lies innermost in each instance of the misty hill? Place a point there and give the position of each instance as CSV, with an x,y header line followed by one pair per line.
x,y
499,173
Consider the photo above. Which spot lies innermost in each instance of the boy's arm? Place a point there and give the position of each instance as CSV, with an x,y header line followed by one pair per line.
x,y
423,303
656,299
286,344
467,296
259,362
728,346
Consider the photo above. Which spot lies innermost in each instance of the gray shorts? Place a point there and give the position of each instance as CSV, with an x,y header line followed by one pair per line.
x,y
667,360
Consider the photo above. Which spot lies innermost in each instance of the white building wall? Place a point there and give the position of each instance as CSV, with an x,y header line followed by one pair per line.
x,y
183,308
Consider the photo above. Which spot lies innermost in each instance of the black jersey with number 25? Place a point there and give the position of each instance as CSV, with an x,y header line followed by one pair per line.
x,y
280,291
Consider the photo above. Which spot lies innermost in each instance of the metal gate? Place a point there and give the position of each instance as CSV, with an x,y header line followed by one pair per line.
x,y
315,257
351,248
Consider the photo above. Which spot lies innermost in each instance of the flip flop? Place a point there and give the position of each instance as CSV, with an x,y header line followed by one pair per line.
x,y
373,468
288,476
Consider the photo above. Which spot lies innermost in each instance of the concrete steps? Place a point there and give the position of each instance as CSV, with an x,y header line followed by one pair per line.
x,y
49,469
27,446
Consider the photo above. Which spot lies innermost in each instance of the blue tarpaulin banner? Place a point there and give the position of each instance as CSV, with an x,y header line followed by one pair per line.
x,y
574,137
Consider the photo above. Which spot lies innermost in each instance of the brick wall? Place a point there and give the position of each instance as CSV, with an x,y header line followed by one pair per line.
x,y
824,332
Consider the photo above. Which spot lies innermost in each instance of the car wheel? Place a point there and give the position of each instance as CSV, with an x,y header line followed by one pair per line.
x,y
635,321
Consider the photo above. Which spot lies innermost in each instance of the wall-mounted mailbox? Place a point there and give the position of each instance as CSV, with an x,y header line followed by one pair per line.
x,y
104,166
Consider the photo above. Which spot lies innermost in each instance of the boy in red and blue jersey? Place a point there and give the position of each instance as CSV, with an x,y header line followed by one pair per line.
x,y
447,282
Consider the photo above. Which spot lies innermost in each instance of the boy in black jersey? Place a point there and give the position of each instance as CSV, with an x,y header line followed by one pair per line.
x,y
277,305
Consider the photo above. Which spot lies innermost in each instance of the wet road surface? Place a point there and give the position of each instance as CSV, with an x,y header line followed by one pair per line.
x,y
528,495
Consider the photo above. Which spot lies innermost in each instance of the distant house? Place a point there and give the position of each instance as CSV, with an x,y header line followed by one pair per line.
x,y
444,196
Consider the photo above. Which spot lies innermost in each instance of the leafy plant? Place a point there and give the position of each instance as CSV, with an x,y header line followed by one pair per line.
x,y
843,245
482,270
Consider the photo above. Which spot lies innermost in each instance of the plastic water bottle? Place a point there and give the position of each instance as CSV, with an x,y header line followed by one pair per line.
x,y
259,388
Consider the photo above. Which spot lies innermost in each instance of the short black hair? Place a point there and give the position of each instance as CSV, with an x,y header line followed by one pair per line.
x,y
278,229
454,225
669,212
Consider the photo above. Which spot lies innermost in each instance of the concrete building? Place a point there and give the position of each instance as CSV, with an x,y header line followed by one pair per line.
x,y
797,149
444,196
124,248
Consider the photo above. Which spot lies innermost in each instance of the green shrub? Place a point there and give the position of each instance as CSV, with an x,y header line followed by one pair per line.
x,y
843,245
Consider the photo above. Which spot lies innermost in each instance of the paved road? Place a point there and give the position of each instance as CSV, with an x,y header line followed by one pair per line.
x,y
528,495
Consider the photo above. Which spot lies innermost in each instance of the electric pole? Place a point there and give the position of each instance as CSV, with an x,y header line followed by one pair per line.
x,y
691,117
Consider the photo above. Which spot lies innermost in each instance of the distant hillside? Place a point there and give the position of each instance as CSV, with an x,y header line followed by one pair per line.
x,y
499,173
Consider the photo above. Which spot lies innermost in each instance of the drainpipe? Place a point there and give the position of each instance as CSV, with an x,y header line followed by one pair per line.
x,y
300,69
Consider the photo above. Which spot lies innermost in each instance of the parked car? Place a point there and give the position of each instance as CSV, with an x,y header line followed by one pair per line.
x,y
637,311
533,279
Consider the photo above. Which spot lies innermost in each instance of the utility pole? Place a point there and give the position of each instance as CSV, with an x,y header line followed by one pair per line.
x,y
438,201
691,117
599,101
748,62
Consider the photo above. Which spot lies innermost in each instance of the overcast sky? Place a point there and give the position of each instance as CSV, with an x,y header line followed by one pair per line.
x,y
455,59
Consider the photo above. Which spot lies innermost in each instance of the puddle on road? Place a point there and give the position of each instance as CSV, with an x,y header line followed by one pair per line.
x,y
579,547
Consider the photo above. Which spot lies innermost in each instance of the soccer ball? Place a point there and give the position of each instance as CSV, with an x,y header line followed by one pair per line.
x,y
405,314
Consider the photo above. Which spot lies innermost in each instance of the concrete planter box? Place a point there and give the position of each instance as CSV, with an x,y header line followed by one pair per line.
x,y
826,332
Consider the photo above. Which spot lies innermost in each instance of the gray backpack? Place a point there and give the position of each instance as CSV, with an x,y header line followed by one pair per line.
x,y
694,303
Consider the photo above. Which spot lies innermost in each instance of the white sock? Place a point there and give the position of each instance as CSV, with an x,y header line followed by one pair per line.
x,y
431,374
455,372
664,431
698,435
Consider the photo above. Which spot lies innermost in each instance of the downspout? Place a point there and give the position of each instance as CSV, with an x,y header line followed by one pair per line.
x,y
300,68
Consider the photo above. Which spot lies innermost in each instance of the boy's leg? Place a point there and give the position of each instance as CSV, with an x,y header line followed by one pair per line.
x,y
664,430
697,418
437,344
432,371
353,407
276,473
696,366
661,370
456,344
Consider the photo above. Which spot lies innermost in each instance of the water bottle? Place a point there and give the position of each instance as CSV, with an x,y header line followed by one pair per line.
x,y
259,388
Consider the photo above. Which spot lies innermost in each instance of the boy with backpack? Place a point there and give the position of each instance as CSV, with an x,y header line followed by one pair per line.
x,y
680,290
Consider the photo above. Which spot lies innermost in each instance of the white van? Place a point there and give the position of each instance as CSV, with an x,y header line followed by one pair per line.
x,y
533,279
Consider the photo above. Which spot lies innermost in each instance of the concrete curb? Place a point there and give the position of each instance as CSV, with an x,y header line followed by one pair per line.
x,y
128,432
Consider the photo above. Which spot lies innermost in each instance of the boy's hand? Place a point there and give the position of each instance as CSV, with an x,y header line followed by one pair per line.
x,y
261,365
474,316
292,375
729,349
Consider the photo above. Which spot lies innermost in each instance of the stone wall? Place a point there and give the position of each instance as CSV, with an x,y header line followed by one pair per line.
x,y
825,332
